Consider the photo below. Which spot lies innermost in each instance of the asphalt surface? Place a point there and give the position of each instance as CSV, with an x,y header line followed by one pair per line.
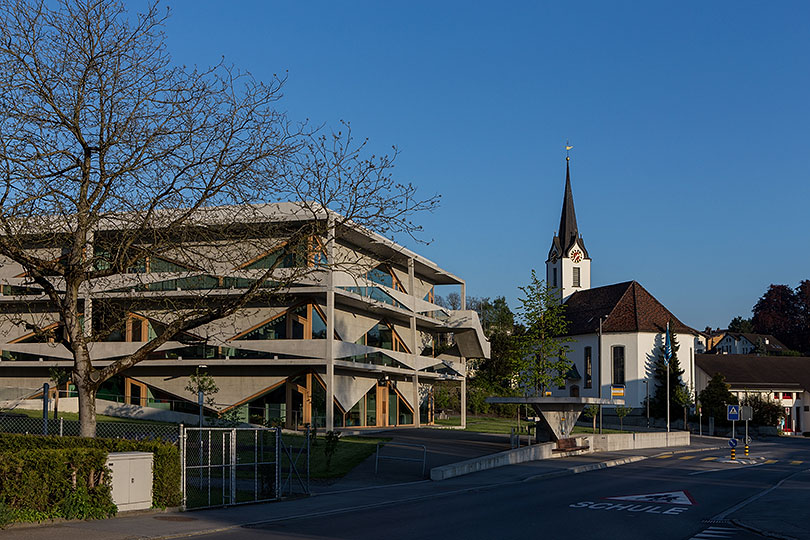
x,y
694,493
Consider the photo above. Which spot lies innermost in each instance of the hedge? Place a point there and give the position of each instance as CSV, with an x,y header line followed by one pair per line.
x,y
166,465
43,483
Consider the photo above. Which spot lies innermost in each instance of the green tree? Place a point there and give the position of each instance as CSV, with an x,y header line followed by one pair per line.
x,y
677,388
715,398
738,324
201,381
621,412
765,412
591,411
542,349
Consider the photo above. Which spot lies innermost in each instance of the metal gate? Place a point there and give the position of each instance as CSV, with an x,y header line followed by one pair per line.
x,y
228,466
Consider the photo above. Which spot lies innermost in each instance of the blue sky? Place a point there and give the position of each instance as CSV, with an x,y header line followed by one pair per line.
x,y
690,123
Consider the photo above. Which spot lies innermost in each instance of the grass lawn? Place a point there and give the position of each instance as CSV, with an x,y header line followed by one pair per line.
x,y
494,424
350,452
75,416
485,424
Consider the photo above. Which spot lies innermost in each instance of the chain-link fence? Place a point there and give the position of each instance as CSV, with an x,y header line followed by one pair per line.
x,y
228,466
15,423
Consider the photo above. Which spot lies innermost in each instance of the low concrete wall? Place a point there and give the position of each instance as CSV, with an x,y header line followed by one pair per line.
x,y
636,441
109,408
492,461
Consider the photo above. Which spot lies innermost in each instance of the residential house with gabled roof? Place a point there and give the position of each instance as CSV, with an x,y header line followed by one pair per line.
x,y
617,330
782,379
747,343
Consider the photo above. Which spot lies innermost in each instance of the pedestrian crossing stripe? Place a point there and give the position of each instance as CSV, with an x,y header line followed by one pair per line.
x,y
665,456
771,461
796,462
668,497
687,457
711,458
715,532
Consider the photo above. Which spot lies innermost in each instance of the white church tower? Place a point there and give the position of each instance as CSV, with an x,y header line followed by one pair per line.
x,y
568,267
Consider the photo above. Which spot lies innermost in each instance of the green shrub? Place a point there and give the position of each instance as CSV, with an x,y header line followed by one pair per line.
x,y
42,483
166,464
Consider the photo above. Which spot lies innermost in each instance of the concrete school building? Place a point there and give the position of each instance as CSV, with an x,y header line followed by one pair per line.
x,y
355,341
617,330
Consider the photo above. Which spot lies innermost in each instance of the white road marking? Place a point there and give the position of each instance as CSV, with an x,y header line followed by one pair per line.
x,y
669,497
715,532
641,508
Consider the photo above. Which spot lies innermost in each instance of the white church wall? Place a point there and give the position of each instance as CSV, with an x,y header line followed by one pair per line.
x,y
577,356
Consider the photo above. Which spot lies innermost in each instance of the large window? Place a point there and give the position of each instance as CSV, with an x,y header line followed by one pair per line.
x,y
588,367
618,364
305,321
576,276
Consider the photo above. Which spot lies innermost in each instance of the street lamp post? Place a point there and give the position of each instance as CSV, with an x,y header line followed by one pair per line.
x,y
647,388
600,371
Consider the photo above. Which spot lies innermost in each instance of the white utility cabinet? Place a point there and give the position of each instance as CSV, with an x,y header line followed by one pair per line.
x,y
131,479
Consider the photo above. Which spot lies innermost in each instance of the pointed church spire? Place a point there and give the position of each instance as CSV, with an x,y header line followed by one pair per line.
x,y
568,232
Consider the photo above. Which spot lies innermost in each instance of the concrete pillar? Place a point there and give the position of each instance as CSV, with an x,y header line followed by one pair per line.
x,y
414,344
463,295
330,326
464,396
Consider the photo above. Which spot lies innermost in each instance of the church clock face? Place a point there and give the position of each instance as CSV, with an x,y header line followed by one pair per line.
x,y
576,255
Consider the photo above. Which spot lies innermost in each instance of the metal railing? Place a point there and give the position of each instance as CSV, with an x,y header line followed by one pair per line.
x,y
400,458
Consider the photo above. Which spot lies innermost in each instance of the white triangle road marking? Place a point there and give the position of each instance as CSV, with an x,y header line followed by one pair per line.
x,y
667,497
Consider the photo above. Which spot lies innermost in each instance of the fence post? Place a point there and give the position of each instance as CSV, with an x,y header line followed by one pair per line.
x,y
278,463
308,448
45,389
61,426
233,465
182,442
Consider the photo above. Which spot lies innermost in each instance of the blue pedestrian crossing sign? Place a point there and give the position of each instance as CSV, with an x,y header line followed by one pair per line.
x,y
732,443
733,413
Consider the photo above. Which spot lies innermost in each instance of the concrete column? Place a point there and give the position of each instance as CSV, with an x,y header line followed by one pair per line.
x,y
464,396
463,295
330,326
414,344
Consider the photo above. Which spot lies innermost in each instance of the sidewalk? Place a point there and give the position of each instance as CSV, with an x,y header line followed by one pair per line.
x,y
167,525
780,513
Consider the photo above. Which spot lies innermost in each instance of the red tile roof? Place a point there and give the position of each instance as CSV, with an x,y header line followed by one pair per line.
x,y
628,307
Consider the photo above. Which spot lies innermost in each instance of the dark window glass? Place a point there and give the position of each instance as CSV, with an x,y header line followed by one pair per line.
x,y
576,276
588,367
318,325
554,277
618,365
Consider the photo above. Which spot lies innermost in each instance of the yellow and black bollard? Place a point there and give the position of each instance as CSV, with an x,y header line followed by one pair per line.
x,y
746,450
733,453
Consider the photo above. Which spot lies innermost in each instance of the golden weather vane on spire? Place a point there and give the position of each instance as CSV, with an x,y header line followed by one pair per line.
x,y
568,147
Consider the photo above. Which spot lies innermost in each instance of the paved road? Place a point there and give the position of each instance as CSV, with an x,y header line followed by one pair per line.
x,y
605,504
693,494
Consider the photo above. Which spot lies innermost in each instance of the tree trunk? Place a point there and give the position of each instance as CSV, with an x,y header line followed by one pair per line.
x,y
87,410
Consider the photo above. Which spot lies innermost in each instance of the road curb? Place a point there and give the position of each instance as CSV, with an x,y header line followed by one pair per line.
x,y
564,472
761,532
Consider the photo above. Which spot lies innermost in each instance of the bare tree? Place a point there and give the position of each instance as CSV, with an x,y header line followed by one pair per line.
x,y
114,159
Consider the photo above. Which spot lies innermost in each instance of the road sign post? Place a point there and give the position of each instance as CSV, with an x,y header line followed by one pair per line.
x,y
746,414
732,443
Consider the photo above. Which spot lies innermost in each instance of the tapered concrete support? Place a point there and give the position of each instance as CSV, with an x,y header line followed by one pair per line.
x,y
557,415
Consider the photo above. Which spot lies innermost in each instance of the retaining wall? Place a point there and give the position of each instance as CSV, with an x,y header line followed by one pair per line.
x,y
492,461
636,441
